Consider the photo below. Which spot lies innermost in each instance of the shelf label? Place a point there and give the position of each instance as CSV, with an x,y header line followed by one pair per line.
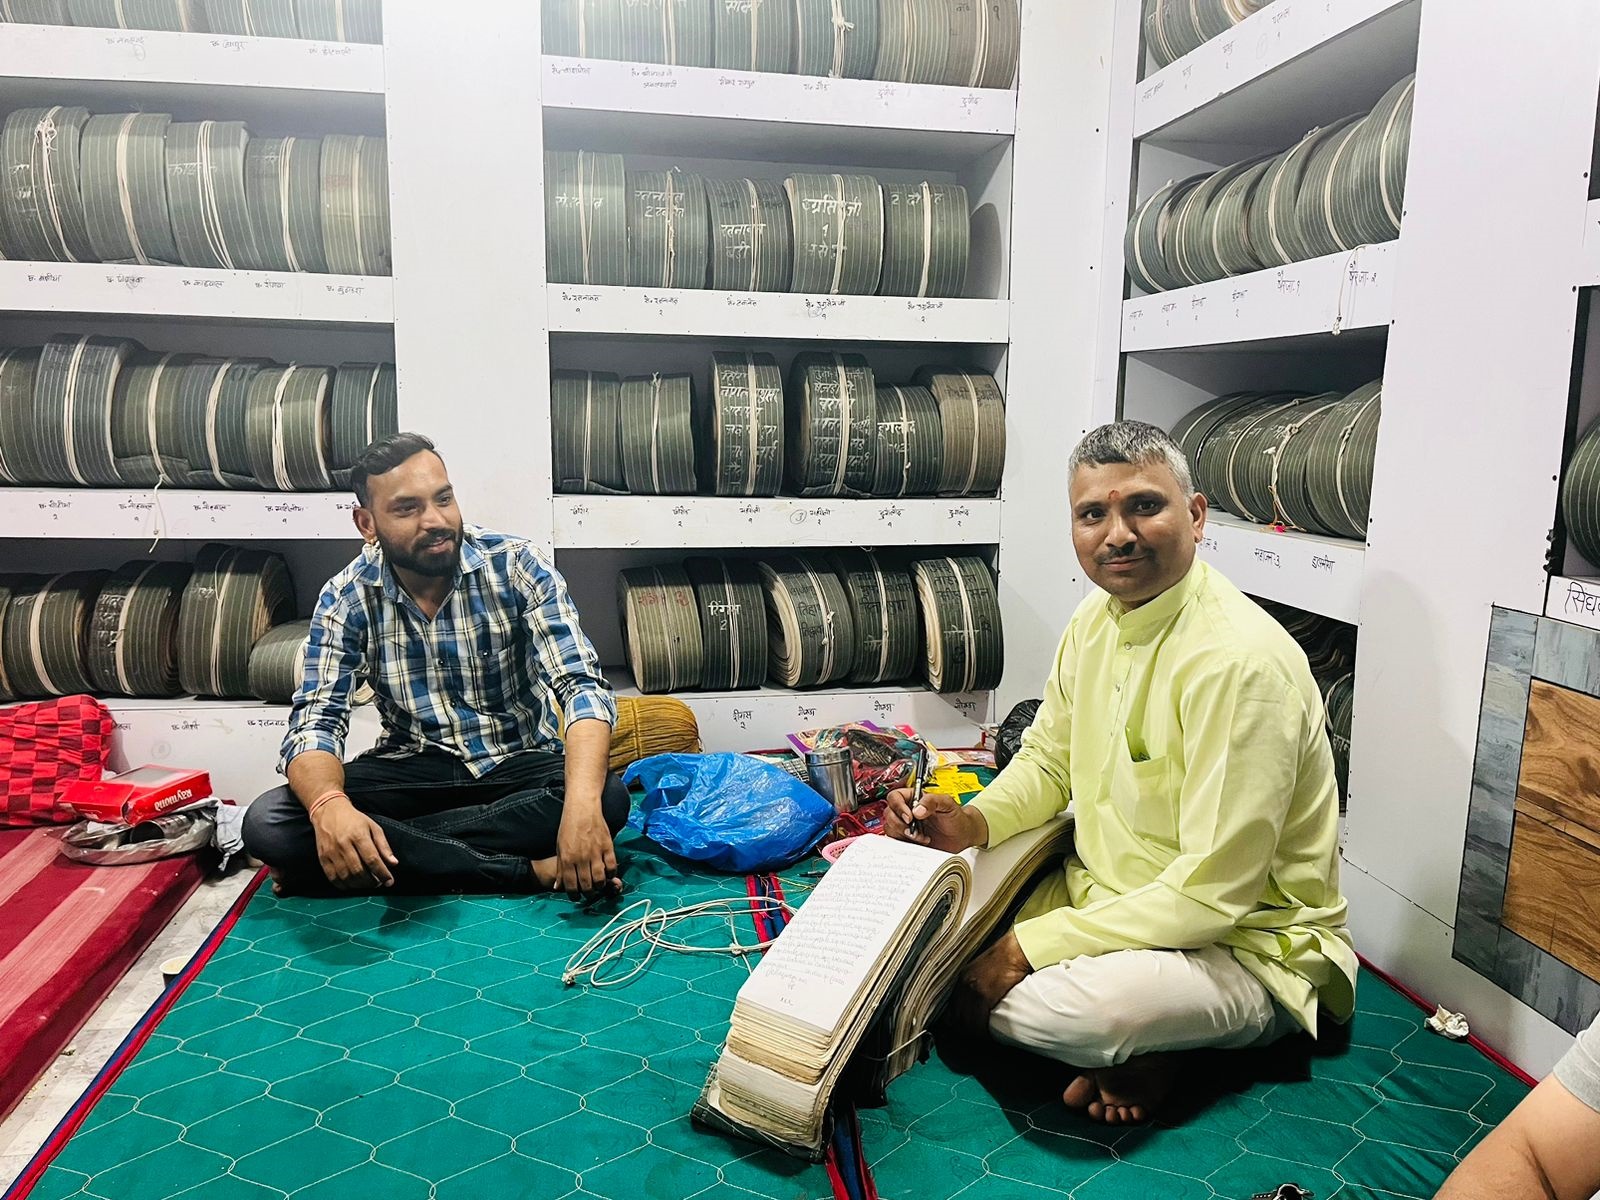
x,y
125,279
662,302
1321,562
229,45
742,300
1581,598
805,712
811,516
886,709
283,510
820,309
960,514
1211,544
889,514
742,82
570,68
921,308
1270,557
44,277
133,43
331,50
966,706
743,716
1288,285
750,512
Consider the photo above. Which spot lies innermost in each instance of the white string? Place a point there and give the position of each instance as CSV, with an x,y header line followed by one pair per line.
x,y
646,925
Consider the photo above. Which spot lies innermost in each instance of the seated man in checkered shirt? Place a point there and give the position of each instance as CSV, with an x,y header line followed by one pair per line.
x,y
472,646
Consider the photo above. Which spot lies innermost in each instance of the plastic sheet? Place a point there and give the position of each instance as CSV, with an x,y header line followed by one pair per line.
x,y
728,811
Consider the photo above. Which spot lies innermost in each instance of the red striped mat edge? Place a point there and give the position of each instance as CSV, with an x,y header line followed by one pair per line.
x,y
131,1045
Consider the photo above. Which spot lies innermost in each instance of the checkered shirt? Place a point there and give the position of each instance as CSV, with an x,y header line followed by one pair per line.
x,y
491,675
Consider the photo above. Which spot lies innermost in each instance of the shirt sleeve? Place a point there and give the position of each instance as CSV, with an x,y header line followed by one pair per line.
x,y
563,657
1579,1071
1243,732
335,655
1036,785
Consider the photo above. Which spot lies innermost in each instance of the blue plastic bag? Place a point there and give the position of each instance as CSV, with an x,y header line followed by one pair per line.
x,y
728,811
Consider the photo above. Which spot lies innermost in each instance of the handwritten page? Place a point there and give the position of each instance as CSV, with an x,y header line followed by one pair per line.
x,y
832,947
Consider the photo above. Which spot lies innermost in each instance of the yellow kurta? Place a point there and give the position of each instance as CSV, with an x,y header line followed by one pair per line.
x,y
1188,736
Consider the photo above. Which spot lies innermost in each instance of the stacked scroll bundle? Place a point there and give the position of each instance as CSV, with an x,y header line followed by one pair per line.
x,y
835,432
319,20
828,234
1330,648
105,412
153,629
951,42
843,618
1288,458
1340,187
142,189
1172,28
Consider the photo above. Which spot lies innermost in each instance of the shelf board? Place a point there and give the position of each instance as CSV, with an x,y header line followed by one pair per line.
x,y
192,292
1345,291
768,116
1589,268
712,522
151,513
761,719
1576,601
668,312
1289,68
136,56
1319,574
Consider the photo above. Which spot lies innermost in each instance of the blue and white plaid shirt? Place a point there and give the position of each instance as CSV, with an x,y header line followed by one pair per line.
x,y
491,675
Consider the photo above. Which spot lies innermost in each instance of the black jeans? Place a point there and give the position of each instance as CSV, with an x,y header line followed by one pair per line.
x,y
451,832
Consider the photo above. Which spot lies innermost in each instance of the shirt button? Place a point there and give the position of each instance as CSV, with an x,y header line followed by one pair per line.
x,y
1127,645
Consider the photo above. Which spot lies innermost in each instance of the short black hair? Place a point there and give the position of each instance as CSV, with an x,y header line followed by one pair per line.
x,y
383,456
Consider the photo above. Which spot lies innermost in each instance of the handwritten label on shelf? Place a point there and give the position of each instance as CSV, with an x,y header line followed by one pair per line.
x,y
889,514
750,513
805,712
820,309
46,277
960,514
1270,557
1581,599
1211,544
740,300
743,82
559,69
124,279
1321,562
1288,285
345,289
743,716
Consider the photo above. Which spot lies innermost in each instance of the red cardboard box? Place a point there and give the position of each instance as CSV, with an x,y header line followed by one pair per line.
x,y
136,795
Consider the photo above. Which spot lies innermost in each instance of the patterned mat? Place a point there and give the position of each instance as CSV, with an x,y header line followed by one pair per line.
x,y
419,1048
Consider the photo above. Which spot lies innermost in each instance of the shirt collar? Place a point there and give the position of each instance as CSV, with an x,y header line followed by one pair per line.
x,y
1157,614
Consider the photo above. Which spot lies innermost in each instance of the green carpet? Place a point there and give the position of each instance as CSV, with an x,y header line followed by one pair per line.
x,y
417,1048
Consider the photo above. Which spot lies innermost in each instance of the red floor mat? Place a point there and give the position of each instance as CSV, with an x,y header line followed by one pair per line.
x,y
68,933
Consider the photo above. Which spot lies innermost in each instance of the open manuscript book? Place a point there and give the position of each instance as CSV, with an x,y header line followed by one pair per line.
x,y
848,991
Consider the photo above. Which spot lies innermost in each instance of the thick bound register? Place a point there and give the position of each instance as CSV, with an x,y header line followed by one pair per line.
x,y
848,991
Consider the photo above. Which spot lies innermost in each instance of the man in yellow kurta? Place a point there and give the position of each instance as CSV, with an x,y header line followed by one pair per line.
x,y
1201,907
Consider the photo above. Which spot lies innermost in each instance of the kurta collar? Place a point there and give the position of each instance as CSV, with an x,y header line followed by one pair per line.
x,y
1149,619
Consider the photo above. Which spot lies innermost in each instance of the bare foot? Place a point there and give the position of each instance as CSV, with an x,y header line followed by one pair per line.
x,y
277,881
1127,1095
546,873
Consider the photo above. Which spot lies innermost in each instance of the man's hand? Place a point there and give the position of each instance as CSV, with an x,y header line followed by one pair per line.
x,y
351,847
586,861
945,824
987,981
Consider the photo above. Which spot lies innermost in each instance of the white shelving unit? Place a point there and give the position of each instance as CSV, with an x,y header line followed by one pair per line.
x,y
703,522
1330,295
1319,574
669,312
190,292
892,118
1439,555
131,59
159,514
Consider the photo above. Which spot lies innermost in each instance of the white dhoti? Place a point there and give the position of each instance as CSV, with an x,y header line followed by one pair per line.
x,y
1099,1012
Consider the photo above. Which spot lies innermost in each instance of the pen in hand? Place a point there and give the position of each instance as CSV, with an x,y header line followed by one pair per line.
x,y
914,828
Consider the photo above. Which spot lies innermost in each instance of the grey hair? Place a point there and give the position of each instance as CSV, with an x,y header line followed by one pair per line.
x,y
1136,444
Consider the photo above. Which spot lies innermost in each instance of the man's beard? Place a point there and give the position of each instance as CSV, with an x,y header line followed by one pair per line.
x,y
418,561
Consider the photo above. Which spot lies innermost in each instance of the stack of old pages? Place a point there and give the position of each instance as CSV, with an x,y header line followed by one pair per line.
x,y
848,991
